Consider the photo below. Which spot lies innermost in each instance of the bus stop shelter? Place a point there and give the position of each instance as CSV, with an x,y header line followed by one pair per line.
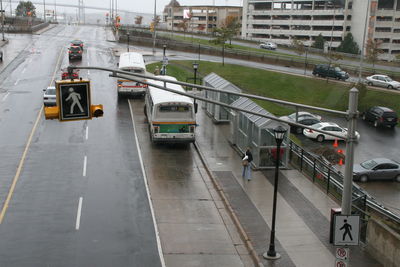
x,y
216,112
256,132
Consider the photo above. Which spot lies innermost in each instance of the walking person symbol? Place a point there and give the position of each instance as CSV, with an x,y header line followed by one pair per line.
x,y
347,230
75,97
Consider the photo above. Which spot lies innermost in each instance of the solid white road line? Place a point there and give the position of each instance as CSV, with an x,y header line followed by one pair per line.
x,y
84,165
16,82
87,132
23,71
78,214
160,253
5,96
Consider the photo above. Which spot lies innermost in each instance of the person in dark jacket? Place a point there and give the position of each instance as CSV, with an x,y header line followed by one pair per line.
x,y
246,162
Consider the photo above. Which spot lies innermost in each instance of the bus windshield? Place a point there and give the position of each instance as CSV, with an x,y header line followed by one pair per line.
x,y
175,112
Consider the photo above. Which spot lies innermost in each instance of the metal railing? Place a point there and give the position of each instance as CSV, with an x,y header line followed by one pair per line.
x,y
321,172
267,56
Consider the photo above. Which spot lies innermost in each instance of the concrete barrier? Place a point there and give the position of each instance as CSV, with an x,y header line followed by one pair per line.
x,y
383,243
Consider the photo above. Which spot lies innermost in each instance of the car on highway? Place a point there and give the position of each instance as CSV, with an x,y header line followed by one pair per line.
x,y
49,96
75,52
324,70
303,117
377,169
268,45
381,116
66,75
329,127
77,43
383,81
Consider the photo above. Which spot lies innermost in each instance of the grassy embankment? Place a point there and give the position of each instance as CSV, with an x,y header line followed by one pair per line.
x,y
287,87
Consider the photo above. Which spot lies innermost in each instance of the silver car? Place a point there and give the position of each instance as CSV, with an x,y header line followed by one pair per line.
x,y
383,81
49,96
377,169
268,45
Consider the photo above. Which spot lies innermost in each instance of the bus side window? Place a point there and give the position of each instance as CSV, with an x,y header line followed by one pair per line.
x,y
117,64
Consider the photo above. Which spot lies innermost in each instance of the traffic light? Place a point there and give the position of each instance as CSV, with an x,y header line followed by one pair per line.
x,y
96,110
73,102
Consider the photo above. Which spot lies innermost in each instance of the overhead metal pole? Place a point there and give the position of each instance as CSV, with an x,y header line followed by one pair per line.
x,y
10,9
351,138
154,29
363,42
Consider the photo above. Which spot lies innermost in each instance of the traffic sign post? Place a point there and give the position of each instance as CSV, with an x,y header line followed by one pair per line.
x,y
347,230
342,253
73,98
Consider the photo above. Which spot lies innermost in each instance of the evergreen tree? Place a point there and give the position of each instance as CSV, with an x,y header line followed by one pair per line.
x,y
319,42
25,9
348,45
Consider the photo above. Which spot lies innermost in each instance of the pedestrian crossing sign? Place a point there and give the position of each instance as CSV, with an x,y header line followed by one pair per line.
x,y
73,98
347,230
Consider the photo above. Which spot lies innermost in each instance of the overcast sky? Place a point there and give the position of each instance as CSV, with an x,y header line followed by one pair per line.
x,y
145,6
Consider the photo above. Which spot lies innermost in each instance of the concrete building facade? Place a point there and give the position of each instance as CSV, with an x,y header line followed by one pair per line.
x,y
202,18
280,21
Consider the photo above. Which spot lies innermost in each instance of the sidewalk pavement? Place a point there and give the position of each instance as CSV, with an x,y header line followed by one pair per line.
x,y
303,210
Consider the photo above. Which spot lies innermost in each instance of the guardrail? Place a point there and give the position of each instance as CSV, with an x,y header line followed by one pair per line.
x,y
321,172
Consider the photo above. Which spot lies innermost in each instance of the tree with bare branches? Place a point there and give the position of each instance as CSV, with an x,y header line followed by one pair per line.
x,y
373,51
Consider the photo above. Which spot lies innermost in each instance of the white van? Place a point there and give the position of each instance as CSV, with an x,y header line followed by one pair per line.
x,y
132,62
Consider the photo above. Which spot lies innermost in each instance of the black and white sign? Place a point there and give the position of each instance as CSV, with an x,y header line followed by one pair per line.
x,y
74,100
347,230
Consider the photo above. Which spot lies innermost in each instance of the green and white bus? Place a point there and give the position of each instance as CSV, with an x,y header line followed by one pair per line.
x,y
171,116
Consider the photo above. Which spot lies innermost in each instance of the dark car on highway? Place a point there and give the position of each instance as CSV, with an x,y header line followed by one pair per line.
x,y
77,43
377,169
75,52
381,116
324,70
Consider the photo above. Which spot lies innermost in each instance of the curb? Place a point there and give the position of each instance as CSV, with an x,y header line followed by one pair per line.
x,y
39,32
235,219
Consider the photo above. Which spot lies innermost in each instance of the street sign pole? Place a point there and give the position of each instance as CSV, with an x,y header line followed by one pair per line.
x,y
351,138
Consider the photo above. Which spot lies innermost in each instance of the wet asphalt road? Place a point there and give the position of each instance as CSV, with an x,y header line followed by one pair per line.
x,y
94,163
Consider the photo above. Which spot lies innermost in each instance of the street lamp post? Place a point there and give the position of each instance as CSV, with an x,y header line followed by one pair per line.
x,y
44,9
279,133
164,65
2,19
127,35
195,68
363,43
154,29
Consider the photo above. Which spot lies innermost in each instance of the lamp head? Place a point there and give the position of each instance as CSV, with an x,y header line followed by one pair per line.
x,y
195,65
279,133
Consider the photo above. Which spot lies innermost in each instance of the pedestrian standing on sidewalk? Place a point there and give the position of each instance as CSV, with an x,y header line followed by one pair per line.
x,y
157,71
246,162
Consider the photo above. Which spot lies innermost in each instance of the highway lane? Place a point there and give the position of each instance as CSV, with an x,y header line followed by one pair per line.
x,y
80,199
